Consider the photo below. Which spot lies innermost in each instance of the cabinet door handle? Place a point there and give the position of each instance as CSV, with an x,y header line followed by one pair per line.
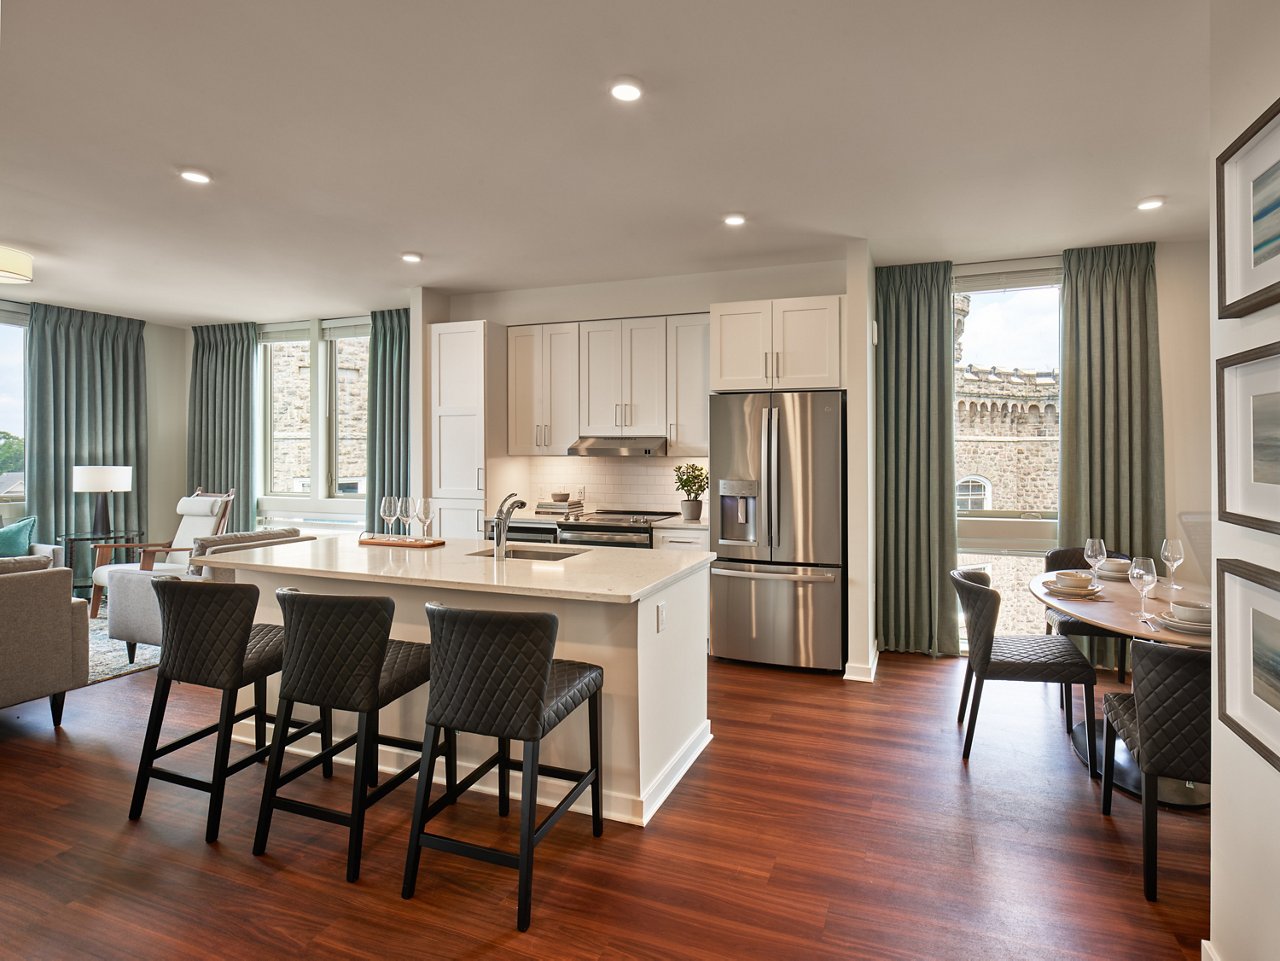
x,y
671,432
537,435
766,365
626,415
546,435
480,521
479,479
777,365
617,415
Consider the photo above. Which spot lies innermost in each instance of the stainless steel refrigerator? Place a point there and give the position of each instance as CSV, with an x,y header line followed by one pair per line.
x,y
778,528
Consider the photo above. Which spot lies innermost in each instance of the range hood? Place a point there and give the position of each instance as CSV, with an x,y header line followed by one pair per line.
x,y
619,447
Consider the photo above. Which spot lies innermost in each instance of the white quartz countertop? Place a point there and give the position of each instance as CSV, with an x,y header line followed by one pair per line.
x,y
611,574
700,524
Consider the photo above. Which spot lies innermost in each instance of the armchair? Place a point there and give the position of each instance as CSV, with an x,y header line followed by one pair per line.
x,y
133,616
201,515
44,652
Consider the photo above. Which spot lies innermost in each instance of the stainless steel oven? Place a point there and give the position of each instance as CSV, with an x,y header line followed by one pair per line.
x,y
525,532
612,528
599,538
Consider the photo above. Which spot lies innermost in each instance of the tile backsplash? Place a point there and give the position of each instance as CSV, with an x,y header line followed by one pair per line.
x,y
645,484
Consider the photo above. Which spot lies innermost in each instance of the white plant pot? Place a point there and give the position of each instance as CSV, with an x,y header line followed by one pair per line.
x,y
691,510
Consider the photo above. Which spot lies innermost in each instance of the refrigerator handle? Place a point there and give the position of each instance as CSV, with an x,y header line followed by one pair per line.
x,y
775,518
766,486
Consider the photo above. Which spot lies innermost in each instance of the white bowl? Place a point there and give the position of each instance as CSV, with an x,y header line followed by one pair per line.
x,y
1073,579
1193,612
1115,565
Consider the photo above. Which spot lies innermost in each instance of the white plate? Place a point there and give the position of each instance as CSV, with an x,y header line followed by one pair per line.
x,y
1184,627
1071,592
1110,576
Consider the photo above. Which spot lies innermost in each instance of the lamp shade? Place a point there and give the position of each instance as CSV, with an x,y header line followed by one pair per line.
x,y
101,478
16,266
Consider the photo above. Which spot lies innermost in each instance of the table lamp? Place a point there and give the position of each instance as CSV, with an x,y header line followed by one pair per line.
x,y
101,480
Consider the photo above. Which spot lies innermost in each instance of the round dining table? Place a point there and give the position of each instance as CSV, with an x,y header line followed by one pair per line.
x,y
1115,608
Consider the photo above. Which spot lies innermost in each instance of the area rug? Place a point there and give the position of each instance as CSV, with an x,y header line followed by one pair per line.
x,y
108,658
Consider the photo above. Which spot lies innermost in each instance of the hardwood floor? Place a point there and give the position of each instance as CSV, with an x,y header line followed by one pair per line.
x,y
828,819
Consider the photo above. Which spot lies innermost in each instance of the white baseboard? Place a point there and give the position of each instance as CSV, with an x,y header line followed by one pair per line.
x,y
1207,953
670,776
856,672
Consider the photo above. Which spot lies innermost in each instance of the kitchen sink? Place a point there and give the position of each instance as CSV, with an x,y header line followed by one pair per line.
x,y
532,553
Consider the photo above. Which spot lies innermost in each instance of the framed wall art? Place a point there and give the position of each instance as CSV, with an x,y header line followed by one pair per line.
x,y
1249,655
1248,175
1249,438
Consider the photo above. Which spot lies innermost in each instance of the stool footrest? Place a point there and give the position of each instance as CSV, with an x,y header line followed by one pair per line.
x,y
558,811
391,783
311,810
438,842
173,777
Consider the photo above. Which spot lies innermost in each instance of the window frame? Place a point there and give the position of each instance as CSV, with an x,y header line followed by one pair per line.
x,y
982,482
16,314
322,504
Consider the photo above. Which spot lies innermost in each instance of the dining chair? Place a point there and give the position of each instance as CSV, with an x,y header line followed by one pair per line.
x,y
1046,658
1165,723
1072,559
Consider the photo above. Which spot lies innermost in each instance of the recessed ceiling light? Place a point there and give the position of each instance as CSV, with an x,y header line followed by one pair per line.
x,y
194,176
627,88
1151,203
409,257
16,266
734,220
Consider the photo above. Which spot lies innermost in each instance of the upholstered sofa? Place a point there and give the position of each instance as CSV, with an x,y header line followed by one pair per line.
x,y
44,633
133,614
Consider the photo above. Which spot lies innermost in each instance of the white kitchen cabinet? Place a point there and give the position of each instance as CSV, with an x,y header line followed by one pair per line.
x,y
806,343
789,344
688,386
682,539
622,367
457,409
461,517
542,389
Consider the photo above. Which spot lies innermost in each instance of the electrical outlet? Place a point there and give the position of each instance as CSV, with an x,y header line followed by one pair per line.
x,y
662,616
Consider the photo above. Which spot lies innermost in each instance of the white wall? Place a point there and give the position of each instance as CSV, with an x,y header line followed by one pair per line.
x,y
168,371
859,379
1182,282
650,297
1245,858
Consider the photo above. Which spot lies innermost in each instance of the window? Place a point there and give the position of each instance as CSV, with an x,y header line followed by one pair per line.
x,y
973,494
13,464
1007,358
315,390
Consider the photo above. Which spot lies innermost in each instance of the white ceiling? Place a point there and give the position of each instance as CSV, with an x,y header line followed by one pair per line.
x,y
481,133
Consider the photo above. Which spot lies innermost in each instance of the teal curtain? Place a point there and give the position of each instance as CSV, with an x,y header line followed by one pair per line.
x,y
388,451
1112,419
86,405
915,461
220,416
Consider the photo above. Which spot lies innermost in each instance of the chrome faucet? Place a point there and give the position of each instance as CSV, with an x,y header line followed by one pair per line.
x,y
501,521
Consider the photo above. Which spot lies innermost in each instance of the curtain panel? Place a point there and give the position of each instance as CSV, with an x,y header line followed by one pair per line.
x,y
915,461
1112,420
388,450
86,405
220,450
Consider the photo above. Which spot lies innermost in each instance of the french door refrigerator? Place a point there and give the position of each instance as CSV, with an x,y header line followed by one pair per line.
x,y
778,528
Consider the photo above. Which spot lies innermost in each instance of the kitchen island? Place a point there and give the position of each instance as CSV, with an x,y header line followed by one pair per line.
x,y
642,615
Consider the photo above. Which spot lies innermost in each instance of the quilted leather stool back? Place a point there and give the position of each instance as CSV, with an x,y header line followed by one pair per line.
x,y
204,630
490,671
1171,695
334,646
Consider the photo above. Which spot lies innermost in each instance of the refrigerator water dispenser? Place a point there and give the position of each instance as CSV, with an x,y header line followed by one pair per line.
x,y
738,500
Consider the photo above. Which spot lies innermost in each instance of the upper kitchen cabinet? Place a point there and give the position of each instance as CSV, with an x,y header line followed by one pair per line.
x,y
542,389
457,409
776,344
622,367
688,347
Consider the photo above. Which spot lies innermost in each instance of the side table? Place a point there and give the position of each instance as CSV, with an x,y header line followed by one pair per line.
x,y
70,542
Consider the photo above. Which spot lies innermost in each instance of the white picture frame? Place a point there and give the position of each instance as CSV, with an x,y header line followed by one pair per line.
x,y
1248,389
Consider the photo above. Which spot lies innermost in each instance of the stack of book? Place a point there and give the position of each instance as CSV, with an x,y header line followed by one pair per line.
x,y
569,508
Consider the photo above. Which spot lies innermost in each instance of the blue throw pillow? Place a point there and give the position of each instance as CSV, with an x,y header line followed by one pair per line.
x,y
15,538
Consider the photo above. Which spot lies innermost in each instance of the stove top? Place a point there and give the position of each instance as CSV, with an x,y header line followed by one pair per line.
x,y
637,519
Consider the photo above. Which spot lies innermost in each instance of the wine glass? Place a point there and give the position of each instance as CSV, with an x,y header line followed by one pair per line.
x,y
1172,555
387,511
426,514
1095,552
1142,575
405,509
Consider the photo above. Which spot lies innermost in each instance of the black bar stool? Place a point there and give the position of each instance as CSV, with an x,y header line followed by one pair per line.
x,y
209,638
339,656
494,675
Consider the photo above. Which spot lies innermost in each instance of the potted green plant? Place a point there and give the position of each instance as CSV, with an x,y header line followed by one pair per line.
x,y
691,480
